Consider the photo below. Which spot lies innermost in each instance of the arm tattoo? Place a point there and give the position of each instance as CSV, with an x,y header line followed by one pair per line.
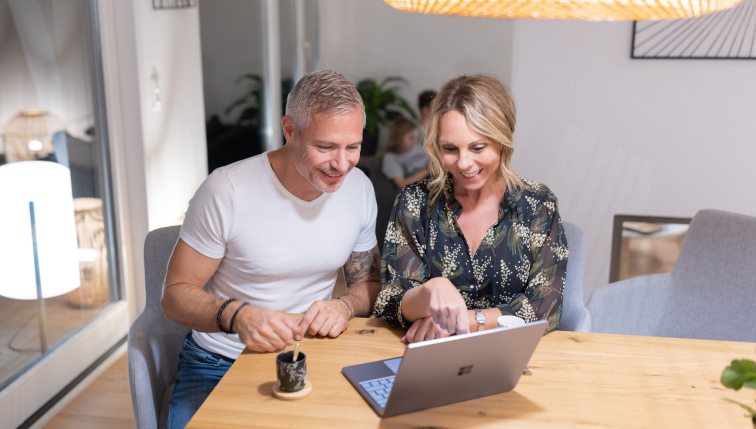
x,y
363,267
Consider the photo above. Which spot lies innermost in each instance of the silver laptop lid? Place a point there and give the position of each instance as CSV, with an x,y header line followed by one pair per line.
x,y
458,368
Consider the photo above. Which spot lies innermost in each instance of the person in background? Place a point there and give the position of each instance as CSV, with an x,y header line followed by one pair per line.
x,y
424,102
475,240
405,162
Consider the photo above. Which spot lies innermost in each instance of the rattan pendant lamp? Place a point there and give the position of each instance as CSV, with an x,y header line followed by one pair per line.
x,y
589,10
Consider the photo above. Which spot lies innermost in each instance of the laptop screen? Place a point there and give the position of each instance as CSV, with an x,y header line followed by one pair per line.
x,y
393,364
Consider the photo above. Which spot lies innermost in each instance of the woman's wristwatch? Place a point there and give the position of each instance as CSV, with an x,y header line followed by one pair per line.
x,y
480,317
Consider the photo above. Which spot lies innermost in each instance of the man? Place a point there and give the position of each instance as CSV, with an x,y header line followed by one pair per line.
x,y
272,232
423,102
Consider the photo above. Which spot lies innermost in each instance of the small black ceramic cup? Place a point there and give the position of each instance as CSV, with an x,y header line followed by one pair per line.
x,y
292,376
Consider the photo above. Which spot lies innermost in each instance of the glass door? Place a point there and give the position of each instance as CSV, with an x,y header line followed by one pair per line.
x,y
57,248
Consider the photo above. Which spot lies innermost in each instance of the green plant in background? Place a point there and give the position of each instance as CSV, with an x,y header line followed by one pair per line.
x,y
741,373
253,101
382,104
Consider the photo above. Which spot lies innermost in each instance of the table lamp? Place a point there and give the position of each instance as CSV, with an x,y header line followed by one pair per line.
x,y
38,248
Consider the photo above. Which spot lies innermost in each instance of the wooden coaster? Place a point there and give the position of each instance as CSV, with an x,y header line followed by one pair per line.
x,y
292,396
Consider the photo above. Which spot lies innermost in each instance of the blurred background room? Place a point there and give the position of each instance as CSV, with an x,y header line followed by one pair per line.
x,y
112,113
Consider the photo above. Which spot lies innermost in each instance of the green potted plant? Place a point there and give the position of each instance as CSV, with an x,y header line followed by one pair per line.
x,y
741,373
382,105
252,102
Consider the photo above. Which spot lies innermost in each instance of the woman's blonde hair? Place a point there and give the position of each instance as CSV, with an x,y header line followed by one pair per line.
x,y
399,128
490,111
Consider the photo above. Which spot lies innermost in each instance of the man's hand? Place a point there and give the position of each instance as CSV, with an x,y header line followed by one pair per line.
x,y
326,318
446,305
263,330
424,329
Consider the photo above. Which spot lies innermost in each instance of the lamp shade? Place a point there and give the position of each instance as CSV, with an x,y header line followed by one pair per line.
x,y
591,10
28,135
48,186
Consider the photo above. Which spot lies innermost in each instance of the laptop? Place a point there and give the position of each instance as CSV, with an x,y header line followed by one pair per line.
x,y
447,370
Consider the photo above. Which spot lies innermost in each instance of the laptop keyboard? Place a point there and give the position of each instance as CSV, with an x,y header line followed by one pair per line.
x,y
379,389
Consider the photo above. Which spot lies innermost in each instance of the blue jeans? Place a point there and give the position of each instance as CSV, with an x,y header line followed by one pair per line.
x,y
199,371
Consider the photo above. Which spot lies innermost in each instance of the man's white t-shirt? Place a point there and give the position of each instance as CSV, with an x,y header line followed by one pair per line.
x,y
279,252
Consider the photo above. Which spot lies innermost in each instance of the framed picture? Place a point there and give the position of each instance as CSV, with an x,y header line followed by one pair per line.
x,y
729,34
643,245
173,4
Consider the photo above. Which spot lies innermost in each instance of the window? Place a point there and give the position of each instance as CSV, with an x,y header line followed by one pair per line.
x,y
56,218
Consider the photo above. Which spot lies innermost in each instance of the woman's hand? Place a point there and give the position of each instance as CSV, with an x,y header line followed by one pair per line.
x,y
424,329
446,305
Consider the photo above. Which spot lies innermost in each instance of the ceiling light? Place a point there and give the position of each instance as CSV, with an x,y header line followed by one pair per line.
x,y
591,10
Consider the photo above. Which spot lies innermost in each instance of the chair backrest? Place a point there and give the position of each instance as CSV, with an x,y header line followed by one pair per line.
x,y
575,316
385,195
709,294
714,279
720,244
154,341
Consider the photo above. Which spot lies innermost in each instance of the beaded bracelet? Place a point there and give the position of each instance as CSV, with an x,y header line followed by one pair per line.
x,y
351,312
218,319
231,326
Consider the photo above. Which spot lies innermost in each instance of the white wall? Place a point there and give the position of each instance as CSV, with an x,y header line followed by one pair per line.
x,y
369,39
158,157
612,135
175,153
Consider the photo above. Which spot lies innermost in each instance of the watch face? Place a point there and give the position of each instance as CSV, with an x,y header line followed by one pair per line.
x,y
481,318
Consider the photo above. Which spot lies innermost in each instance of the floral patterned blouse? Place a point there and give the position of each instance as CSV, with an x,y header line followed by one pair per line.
x,y
519,267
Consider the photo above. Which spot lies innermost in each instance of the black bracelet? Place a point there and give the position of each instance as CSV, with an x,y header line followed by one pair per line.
x,y
351,312
231,327
218,319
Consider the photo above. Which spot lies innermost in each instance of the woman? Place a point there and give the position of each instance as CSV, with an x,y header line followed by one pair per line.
x,y
405,162
474,241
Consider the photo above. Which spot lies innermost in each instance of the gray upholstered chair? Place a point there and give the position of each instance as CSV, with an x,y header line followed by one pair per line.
x,y
154,341
575,316
709,294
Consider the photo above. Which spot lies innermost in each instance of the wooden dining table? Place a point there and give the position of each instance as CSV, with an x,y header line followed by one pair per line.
x,y
578,379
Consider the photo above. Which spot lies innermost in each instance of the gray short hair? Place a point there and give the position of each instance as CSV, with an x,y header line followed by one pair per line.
x,y
322,91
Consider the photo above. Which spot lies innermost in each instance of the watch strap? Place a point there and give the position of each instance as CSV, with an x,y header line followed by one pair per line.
x,y
480,317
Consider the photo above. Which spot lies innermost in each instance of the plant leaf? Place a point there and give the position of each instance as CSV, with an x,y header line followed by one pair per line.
x,y
366,89
391,115
236,104
253,77
401,102
739,372
750,410
386,98
249,116
390,79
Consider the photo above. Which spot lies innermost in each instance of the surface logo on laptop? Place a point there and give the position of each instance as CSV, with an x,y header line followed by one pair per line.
x,y
465,370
